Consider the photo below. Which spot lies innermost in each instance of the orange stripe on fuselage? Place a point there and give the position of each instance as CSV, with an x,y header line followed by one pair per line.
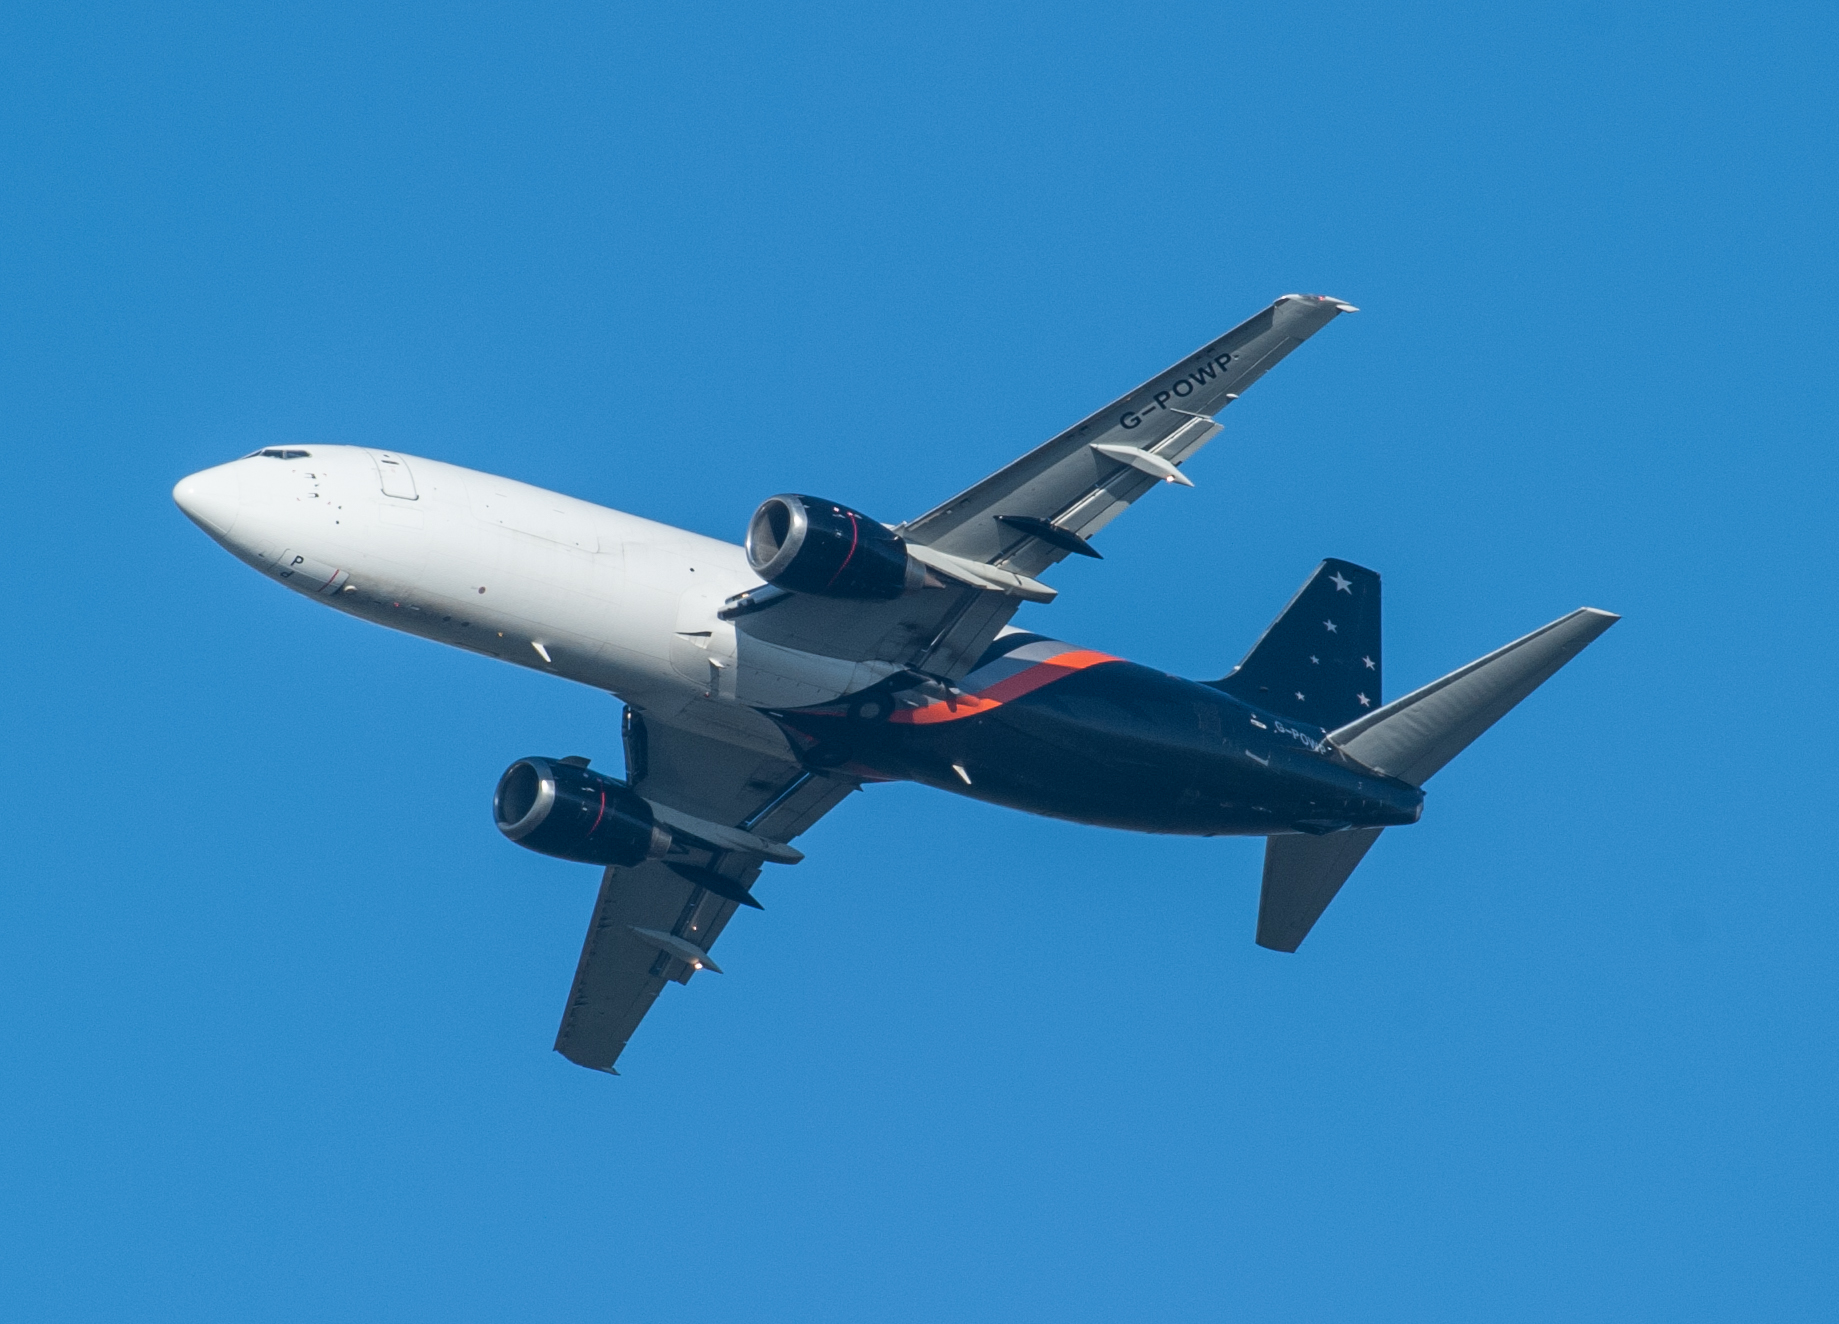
x,y
1003,691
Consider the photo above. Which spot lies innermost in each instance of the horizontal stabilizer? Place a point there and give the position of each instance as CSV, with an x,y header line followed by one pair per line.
x,y
1412,737
1301,876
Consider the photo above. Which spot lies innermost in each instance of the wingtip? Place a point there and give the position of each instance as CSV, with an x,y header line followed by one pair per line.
x,y
1339,305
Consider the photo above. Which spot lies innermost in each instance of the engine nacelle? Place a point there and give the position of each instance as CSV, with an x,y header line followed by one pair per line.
x,y
562,809
809,545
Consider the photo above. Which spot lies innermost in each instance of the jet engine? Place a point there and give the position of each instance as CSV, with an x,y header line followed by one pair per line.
x,y
559,808
809,545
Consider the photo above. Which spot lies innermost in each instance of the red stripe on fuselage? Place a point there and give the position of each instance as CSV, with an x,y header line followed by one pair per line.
x,y
1003,691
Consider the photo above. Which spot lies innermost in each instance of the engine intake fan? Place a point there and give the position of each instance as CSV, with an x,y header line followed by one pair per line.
x,y
557,807
808,545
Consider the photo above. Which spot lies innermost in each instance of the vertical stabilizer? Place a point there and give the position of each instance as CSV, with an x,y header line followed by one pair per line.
x,y
1319,661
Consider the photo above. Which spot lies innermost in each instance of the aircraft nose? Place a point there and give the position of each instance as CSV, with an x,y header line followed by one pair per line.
x,y
211,499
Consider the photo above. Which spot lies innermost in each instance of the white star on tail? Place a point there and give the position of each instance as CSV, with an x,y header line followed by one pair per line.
x,y
1330,625
1341,585
1370,664
1364,701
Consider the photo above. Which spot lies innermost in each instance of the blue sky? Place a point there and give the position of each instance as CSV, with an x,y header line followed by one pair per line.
x,y
275,998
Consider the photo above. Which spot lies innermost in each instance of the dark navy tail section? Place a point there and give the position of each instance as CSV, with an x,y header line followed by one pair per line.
x,y
1319,660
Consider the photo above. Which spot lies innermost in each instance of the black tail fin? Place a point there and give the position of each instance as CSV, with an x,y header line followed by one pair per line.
x,y
1319,660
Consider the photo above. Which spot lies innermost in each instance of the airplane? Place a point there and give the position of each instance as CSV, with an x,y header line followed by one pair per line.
x,y
765,683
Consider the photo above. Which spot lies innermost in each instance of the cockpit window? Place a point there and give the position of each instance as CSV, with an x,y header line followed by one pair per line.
x,y
274,453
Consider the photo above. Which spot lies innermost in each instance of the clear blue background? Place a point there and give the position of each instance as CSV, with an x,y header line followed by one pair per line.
x,y
275,999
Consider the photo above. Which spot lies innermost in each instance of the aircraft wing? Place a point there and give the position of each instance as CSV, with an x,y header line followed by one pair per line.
x,y
651,923
1043,507
1085,477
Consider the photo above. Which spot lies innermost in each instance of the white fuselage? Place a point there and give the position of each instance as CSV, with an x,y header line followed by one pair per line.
x,y
518,573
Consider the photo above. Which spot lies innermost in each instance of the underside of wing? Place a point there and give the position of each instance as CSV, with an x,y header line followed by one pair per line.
x,y
654,923
940,631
